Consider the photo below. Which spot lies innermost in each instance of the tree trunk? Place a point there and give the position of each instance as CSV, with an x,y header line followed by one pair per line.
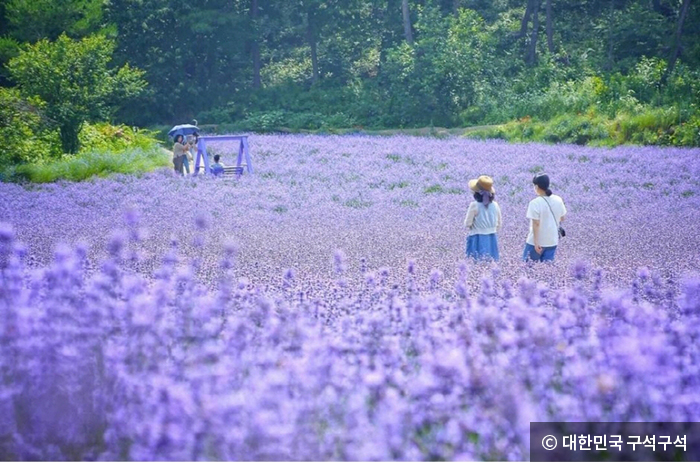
x,y
383,13
311,37
611,42
677,45
550,31
68,133
455,7
526,19
532,49
407,22
255,47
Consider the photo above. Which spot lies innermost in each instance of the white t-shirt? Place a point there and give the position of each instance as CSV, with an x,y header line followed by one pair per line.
x,y
538,209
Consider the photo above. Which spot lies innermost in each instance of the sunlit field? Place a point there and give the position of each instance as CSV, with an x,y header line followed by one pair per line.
x,y
321,308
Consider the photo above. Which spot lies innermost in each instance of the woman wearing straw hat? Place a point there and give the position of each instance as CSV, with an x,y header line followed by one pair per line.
x,y
483,220
545,213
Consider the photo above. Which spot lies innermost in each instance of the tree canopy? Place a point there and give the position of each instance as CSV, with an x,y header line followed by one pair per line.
x,y
74,81
370,63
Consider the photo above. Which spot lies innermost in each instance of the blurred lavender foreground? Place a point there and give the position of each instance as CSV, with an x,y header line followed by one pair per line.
x,y
220,343
114,367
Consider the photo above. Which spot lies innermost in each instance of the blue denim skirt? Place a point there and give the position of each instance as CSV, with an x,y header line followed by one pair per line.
x,y
482,246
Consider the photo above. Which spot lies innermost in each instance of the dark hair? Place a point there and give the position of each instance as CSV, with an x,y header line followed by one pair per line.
x,y
178,137
542,182
479,198
216,157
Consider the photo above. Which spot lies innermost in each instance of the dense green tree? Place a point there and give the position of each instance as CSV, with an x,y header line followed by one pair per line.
x,y
677,42
23,128
195,54
32,20
431,82
370,62
74,80
26,21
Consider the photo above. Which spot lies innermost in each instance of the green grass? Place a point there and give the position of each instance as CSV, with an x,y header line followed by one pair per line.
x,y
357,203
651,126
434,189
95,163
408,203
105,149
430,132
400,185
280,209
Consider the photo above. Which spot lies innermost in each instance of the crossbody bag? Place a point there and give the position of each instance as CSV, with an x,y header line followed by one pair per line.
x,y
562,233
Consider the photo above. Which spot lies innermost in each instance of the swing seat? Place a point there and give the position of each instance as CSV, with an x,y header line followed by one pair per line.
x,y
233,171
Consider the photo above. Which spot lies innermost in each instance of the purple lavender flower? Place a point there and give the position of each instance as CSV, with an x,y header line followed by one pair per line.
x,y
179,354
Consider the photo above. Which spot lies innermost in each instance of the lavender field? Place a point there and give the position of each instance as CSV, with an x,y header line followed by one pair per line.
x,y
322,307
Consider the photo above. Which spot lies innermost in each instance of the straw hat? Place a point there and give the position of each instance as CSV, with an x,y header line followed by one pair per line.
x,y
483,183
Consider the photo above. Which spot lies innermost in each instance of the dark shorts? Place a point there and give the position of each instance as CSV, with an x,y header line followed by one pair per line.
x,y
547,254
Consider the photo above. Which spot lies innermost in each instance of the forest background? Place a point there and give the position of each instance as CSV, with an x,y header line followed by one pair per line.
x,y
78,76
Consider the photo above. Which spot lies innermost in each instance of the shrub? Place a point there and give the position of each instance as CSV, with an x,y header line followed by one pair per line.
x,y
106,137
652,126
221,115
75,81
264,121
25,138
280,120
93,163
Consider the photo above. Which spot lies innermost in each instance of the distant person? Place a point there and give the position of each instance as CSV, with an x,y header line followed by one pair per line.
x,y
483,220
186,161
179,154
217,167
545,213
191,145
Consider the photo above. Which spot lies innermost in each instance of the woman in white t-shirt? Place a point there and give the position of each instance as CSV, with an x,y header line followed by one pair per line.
x,y
545,213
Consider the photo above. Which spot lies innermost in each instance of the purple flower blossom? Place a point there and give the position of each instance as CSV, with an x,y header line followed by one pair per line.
x,y
132,345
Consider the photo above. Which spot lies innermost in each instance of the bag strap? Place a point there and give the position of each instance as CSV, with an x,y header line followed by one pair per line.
x,y
550,209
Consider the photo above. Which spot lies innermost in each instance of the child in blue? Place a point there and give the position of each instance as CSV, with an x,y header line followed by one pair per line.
x,y
483,220
217,168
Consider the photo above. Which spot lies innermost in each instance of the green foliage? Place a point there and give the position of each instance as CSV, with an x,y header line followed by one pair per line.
x,y
635,31
332,66
602,109
23,128
34,152
9,48
264,121
429,82
74,80
434,189
357,203
32,20
652,126
116,138
28,21
221,115
88,164
281,120
195,55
